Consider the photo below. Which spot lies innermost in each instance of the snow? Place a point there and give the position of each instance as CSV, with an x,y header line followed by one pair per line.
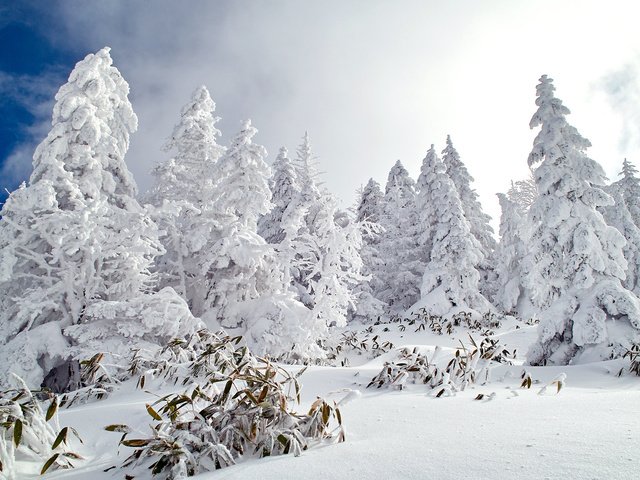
x,y
512,432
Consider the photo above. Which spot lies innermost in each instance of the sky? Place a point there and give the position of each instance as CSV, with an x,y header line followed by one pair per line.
x,y
371,81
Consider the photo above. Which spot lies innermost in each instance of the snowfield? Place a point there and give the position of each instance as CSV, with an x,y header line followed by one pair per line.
x,y
587,430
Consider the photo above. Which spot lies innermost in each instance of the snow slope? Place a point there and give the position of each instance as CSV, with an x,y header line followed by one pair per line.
x,y
587,430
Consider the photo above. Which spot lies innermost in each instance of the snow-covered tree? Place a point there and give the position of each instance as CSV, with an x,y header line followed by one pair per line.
x,y
284,190
401,273
507,286
182,199
575,264
76,245
629,188
427,212
245,286
478,220
450,280
368,214
619,217
523,192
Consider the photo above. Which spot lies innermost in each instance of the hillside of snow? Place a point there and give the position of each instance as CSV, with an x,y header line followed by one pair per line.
x,y
586,430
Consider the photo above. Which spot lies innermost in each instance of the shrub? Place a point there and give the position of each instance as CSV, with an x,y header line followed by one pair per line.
x,y
29,433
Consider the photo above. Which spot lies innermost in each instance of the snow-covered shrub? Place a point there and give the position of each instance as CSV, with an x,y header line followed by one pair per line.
x,y
633,354
240,405
469,364
422,319
355,342
30,434
95,382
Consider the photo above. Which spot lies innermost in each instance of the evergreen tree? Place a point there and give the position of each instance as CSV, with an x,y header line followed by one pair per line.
x,y
182,197
523,192
575,263
401,273
245,286
284,190
427,213
450,280
478,220
369,211
76,245
629,188
619,217
508,255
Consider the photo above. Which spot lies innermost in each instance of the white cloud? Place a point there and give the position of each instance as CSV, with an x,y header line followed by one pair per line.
x,y
372,81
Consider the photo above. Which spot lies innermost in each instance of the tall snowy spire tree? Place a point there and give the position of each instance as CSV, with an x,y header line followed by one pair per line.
x,y
575,261
478,220
401,274
619,217
629,188
245,286
508,255
368,214
285,190
450,280
76,245
182,197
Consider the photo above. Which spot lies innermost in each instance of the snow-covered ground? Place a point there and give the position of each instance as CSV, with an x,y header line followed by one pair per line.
x,y
587,430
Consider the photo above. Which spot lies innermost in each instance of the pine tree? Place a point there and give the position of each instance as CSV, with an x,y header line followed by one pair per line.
x,y
245,286
427,213
629,187
284,190
402,271
368,214
450,280
523,192
76,245
508,255
619,217
478,220
182,197
575,263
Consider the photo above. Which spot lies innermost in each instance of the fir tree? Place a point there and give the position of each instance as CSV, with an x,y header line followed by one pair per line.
x,y
478,220
619,217
629,187
508,255
450,280
284,190
369,211
401,274
575,264
245,281
182,197
76,245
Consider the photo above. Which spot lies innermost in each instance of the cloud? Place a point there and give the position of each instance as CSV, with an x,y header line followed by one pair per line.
x,y
622,90
35,95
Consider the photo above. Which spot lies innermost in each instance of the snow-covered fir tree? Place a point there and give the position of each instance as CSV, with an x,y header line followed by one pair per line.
x,y
182,196
478,220
523,192
323,242
629,188
285,190
575,265
401,274
619,217
368,214
427,212
76,245
508,255
450,280
245,286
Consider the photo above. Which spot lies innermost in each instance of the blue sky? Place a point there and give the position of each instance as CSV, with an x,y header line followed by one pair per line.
x,y
372,81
